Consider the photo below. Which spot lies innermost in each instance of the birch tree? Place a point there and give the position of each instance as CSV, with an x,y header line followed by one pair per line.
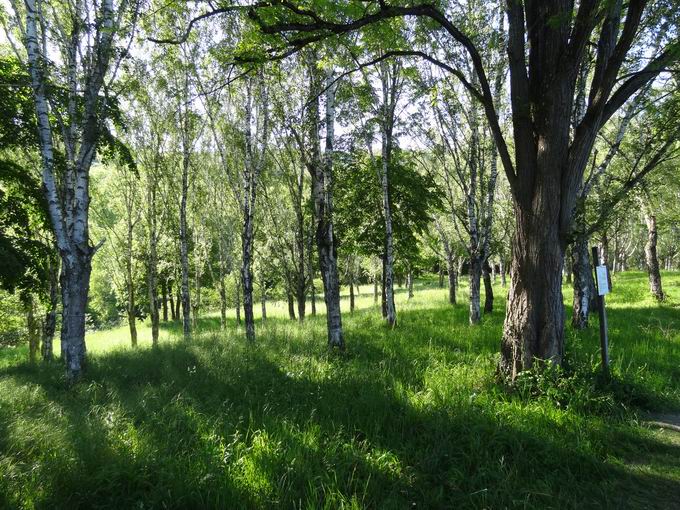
x,y
74,48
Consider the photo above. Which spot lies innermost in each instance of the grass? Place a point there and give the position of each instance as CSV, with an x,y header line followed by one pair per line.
x,y
410,418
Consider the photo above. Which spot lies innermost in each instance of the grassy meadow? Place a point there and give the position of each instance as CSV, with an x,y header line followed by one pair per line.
x,y
406,418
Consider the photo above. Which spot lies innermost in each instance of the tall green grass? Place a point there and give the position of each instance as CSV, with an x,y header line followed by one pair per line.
x,y
406,418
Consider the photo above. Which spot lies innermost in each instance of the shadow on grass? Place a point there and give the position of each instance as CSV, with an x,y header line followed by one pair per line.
x,y
214,424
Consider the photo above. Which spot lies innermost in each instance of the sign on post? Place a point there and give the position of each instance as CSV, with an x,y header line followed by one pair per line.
x,y
602,280
602,284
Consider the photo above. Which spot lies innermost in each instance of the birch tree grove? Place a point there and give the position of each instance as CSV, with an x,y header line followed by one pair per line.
x,y
81,40
546,47
233,152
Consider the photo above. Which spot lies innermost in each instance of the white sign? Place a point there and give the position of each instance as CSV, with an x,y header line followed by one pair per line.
x,y
602,280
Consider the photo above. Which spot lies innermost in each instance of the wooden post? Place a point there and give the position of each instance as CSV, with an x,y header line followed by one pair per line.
x,y
604,334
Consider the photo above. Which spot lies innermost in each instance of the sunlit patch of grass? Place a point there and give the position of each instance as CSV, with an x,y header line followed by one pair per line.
x,y
410,417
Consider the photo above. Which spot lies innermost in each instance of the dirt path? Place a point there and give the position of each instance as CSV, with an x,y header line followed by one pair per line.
x,y
665,421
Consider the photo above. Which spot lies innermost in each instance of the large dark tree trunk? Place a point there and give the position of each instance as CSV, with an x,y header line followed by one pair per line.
x,y
534,321
652,259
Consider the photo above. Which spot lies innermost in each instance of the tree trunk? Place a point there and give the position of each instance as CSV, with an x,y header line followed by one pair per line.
x,y
33,328
389,94
173,312
534,321
164,298
503,273
184,248
238,302
312,291
605,248
475,277
383,295
254,159
375,289
50,323
584,284
410,282
301,280
153,265
223,301
451,270
75,286
441,275
291,305
351,295
488,288
322,195
651,258
263,299
247,281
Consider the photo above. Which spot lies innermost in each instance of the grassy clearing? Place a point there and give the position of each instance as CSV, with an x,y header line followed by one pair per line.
x,y
410,418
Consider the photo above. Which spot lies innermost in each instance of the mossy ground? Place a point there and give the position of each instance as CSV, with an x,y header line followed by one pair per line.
x,y
406,418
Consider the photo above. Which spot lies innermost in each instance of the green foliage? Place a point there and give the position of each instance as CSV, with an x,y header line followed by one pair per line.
x,y
358,204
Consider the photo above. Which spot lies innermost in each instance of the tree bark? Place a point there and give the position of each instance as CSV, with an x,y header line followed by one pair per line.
x,y
474,278
390,77
322,197
50,322
651,257
33,328
69,210
410,282
263,299
253,164
351,295
238,302
184,244
441,275
291,305
129,280
173,312
451,270
488,288
503,273
584,284
534,322
164,299
153,263
75,286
